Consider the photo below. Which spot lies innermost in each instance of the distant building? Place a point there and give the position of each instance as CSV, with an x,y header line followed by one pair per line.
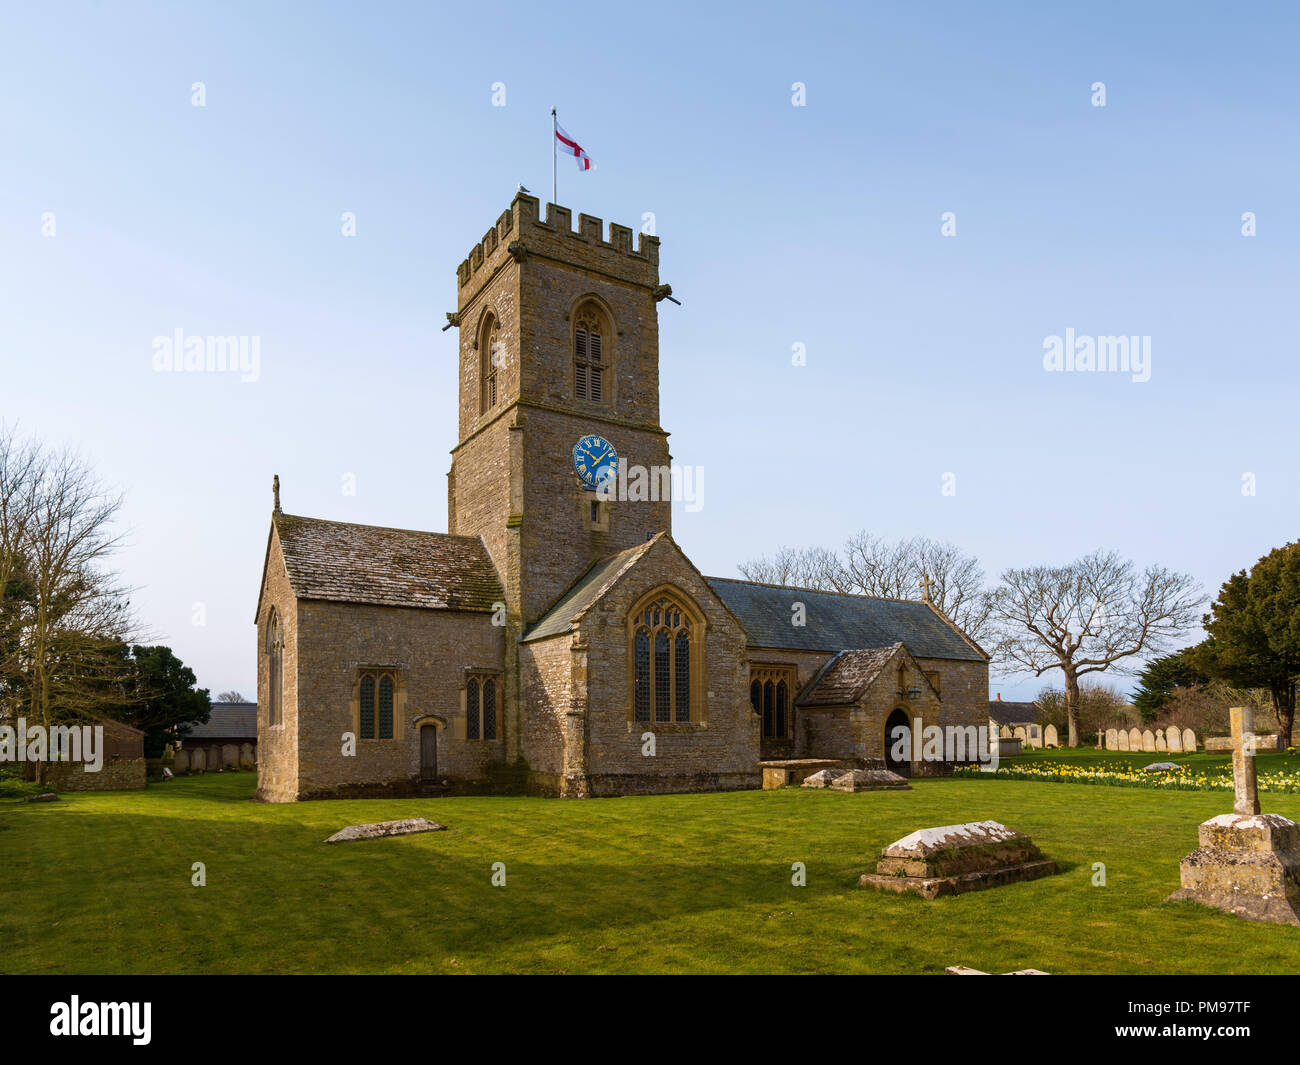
x,y
228,739
122,766
1016,719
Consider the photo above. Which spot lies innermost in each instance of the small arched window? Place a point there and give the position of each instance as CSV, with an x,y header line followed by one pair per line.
x,y
663,643
274,669
589,356
376,703
491,358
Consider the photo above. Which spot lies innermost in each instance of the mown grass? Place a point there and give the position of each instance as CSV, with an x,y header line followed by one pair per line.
x,y
101,883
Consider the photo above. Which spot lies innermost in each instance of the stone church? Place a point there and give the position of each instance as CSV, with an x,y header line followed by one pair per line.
x,y
557,638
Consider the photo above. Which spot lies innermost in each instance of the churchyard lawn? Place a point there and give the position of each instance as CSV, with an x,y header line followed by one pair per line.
x,y
101,883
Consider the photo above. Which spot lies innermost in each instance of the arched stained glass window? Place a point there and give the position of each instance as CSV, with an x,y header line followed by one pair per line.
x,y
663,643
471,709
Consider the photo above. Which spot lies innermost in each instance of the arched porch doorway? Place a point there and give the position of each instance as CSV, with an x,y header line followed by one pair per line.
x,y
903,766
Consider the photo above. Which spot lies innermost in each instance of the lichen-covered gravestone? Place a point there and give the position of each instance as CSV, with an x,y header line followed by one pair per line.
x,y
957,858
1248,863
378,829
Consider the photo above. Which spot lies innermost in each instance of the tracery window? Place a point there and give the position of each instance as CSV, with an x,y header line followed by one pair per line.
x,y
481,707
274,669
663,647
491,357
770,691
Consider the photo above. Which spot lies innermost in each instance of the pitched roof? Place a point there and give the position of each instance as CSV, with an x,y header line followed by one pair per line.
x,y
226,721
834,621
585,591
340,561
1013,713
846,675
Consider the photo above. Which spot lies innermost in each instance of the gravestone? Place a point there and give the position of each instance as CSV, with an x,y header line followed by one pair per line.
x,y
1050,738
821,779
1122,742
1189,740
1112,740
1134,740
1149,741
198,760
957,858
870,780
247,760
386,828
1005,733
1175,740
1020,733
1160,740
1248,863
181,762
230,756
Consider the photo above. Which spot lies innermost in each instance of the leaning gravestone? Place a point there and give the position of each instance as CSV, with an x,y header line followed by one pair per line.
x,y
379,829
957,858
1248,863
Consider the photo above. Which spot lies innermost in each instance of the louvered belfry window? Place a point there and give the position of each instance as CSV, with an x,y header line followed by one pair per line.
x,y
589,357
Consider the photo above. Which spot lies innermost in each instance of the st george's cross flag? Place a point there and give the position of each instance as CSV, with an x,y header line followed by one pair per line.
x,y
571,147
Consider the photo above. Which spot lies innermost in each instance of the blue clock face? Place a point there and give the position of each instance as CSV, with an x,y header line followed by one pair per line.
x,y
595,460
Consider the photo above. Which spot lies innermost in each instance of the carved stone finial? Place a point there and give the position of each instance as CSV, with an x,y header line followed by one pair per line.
x,y
275,491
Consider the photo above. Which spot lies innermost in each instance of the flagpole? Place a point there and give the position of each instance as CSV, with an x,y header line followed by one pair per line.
x,y
553,137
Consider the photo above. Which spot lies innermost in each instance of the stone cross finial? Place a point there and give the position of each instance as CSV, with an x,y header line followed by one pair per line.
x,y
926,584
275,491
1245,793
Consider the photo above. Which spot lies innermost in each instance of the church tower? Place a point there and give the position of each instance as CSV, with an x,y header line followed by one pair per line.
x,y
559,364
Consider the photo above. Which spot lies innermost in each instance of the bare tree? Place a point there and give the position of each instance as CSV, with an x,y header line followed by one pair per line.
x,y
1088,616
231,697
869,565
63,618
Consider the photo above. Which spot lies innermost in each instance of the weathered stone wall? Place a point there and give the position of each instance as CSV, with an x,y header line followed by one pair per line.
x,y
431,651
118,775
964,690
277,770
545,678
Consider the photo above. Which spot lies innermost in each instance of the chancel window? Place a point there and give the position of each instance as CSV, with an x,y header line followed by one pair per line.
x,y
589,363
663,648
771,689
376,704
274,669
481,706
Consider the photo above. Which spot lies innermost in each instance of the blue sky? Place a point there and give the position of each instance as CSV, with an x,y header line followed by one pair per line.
x,y
817,225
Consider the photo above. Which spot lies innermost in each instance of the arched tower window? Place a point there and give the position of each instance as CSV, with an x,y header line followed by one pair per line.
x,y
665,648
491,358
590,359
274,669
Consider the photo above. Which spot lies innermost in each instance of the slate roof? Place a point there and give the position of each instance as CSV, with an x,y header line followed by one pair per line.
x,y
836,621
1013,713
585,591
349,563
846,675
227,721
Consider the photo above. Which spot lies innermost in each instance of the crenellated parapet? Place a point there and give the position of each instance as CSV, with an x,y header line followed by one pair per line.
x,y
521,232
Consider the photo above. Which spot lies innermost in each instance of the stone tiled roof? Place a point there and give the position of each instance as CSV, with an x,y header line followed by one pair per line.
x,y
846,676
226,721
1013,713
585,591
392,567
835,622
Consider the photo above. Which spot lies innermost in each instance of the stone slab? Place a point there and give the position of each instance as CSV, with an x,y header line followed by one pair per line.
x,y
870,780
379,829
934,887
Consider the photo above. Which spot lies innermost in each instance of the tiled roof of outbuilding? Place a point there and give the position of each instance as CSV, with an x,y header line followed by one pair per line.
x,y
340,561
834,621
226,721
